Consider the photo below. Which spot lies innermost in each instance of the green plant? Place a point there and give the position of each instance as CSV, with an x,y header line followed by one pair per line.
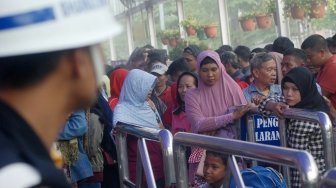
x,y
247,16
174,33
302,4
332,5
169,33
265,7
190,22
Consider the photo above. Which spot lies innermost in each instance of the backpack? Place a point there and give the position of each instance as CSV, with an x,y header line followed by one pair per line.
x,y
261,177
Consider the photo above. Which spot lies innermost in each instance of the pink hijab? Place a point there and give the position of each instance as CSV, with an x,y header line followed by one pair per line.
x,y
278,60
207,106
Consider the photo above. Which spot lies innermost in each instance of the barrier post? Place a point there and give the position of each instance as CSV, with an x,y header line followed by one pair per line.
x,y
160,135
328,140
329,179
147,166
122,163
180,167
166,140
283,142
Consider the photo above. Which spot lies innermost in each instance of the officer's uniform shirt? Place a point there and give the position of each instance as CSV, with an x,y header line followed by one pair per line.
x,y
22,155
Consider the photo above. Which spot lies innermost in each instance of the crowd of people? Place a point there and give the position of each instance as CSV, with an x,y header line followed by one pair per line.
x,y
49,98
204,92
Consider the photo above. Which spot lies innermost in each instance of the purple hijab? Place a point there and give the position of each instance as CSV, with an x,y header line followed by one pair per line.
x,y
207,106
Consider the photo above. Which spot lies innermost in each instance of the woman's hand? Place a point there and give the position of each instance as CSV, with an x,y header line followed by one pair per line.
x,y
240,111
257,99
277,108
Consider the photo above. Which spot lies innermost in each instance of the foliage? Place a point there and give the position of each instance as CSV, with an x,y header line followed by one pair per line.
x,y
190,22
327,22
169,33
265,7
176,52
302,4
332,5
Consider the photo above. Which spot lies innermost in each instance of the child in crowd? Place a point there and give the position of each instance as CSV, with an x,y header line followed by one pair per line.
x,y
216,171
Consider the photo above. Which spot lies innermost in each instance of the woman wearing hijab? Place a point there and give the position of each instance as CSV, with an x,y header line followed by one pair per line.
x,y
300,91
136,109
207,107
117,78
190,54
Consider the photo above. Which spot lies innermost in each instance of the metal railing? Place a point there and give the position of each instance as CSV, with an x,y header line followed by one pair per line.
x,y
329,179
143,161
319,117
302,160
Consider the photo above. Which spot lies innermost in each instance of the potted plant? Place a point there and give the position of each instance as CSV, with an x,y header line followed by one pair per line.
x,y
201,33
164,35
247,22
173,36
190,25
211,30
296,8
265,13
318,9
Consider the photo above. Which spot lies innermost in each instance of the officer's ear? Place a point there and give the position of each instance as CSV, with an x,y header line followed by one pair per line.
x,y
80,62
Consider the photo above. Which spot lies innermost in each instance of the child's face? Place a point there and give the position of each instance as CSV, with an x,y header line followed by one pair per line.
x,y
214,170
291,93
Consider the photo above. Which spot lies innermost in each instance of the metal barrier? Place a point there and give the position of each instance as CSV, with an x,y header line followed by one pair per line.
x,y
329,179
143,161
302,160
319,117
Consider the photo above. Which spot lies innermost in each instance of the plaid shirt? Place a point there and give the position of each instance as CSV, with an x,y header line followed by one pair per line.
x,y
301,135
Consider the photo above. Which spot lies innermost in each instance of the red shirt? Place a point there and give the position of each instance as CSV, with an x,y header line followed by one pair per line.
x,y
166,97
327,79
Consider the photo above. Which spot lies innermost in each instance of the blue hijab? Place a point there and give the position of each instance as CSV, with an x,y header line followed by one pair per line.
x,y
133,107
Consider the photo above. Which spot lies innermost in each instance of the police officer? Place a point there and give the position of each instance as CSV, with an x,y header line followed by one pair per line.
x,y
50,66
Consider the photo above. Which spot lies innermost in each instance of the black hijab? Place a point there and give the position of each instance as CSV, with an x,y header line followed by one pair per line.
x,y
311,99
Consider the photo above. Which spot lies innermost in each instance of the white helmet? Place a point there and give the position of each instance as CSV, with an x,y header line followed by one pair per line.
x,y
35,26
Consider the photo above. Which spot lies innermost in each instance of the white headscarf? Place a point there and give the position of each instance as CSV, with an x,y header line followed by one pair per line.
x,y
132,107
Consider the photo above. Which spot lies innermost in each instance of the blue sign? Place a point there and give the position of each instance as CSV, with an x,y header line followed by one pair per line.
x,y
266,130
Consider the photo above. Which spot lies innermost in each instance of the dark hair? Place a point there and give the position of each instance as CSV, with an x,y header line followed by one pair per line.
x,y
243,52
193,50
208,60
155,55
176,66
316,42
281,44
138,53
331,43
224,48
259,59
230,58
258,50
178,97
26,70
297,53
269,47
223,157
